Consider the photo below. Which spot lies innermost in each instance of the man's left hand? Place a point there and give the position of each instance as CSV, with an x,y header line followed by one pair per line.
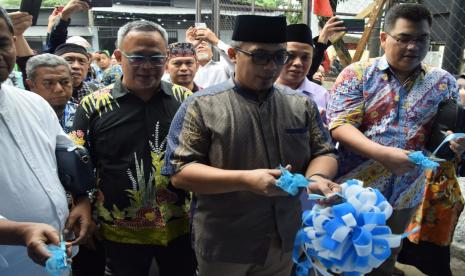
x,y
323,186
79,220
457,145
208,35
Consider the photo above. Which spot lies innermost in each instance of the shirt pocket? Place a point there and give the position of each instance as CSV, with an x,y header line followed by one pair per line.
x,y
299,130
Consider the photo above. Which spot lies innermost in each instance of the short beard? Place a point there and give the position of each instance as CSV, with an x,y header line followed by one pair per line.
x,y
202,56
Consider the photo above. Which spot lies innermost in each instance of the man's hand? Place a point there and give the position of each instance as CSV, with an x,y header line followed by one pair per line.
x,y
36,236
21,21
396,160
73,6
324,187
191,36
205,34
52,18
79,220
263,182
457,145
332,26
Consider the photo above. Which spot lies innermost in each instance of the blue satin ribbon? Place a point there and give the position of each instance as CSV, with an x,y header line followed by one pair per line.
x,y
57,263
291,182
350,238
421,160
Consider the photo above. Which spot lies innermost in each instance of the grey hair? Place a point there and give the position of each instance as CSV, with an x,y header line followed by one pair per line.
x,y
140,26
44,60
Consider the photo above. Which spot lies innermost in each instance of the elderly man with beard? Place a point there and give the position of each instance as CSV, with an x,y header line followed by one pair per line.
x,y
210,72
225,144
33,206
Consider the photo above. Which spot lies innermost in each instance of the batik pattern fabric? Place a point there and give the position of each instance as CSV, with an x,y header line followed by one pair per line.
x,y
228,127
85,89
368,96
67,120
112,74
442,204
126,138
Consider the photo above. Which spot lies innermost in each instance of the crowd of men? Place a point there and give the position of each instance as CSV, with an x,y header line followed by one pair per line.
x,y
186,148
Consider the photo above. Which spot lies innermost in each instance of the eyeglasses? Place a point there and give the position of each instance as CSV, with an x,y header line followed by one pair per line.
x,y
259,58
138,60
407,40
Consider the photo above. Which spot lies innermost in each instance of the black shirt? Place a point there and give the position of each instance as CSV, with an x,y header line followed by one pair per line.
x,y
127,138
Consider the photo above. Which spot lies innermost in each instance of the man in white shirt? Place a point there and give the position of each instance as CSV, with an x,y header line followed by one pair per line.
x,y
33,205
210,72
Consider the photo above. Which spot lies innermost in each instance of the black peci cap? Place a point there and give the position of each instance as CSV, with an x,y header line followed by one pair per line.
x,y
262,29
299,33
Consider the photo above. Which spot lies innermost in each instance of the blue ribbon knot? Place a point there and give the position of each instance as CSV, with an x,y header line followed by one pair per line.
x,y
350,238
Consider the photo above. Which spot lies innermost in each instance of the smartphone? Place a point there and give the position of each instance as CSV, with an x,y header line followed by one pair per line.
x,y
99,3
200,25
32,7
354,25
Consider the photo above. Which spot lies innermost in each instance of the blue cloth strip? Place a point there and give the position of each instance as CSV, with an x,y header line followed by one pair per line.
x,y
58,262
420,159
291,182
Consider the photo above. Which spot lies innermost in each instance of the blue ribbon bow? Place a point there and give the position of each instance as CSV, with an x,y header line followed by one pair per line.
x,y
350,238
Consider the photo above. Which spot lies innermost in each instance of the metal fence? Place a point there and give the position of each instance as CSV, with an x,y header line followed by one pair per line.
x,y
447,35
229,9
446,48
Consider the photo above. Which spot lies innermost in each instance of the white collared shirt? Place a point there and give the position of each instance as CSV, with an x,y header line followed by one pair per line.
x,y
215,72
30,188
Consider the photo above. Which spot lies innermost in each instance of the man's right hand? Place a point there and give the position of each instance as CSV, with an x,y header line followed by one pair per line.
x,y
74,6
191,37
21,22
396,160
35,237
263,182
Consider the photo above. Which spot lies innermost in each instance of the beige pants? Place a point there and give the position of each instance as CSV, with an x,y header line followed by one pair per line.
x,y
398,222
277,264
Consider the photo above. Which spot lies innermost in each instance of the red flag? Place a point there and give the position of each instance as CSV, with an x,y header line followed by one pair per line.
x,y
322,8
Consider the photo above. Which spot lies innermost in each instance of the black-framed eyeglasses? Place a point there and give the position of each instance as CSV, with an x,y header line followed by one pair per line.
x,y
407,40
138,60
259,58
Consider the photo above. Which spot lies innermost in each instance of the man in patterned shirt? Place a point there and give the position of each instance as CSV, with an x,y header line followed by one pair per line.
x,y
50,76
381,109
142,216
79,60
